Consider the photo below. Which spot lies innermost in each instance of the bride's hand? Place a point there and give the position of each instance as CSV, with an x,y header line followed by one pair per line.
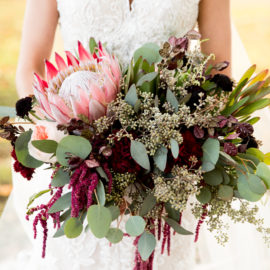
x,y
215,25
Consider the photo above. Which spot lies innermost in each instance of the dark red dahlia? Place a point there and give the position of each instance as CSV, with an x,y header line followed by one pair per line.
x,y
18,167
230,149
121,160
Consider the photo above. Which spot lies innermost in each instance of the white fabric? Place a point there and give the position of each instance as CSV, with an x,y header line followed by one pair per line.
x,y
124,31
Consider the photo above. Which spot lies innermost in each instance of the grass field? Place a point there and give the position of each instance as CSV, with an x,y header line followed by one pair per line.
x,y
251,18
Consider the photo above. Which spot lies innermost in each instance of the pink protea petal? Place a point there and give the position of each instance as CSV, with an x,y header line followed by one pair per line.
x,y
78,108
59,117
42,100
84,98
72,61
96,110
40,83
59,103
110,90
97,93
60,62
83,53
50,70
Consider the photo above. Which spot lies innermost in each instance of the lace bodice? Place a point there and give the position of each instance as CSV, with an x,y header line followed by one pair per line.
x,y
122,29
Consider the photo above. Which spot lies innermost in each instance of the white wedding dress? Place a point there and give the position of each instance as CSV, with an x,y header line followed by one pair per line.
x,y
123,30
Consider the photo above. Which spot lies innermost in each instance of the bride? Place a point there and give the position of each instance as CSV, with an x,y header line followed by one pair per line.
x,y
123,25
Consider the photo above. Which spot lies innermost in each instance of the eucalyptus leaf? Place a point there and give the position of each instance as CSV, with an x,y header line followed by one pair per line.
x,y
99,220
213,178
204,196
263,172
101,193
60,232
148,52
148,204
22,153
211,149
114,235
149,77
73,228
172,99
225,192
131,96
115,212
174,148
46,146
139,154
146,245
102,174
61,178
256,152
160,158
172,213
177,227
61,204
75,145
135,225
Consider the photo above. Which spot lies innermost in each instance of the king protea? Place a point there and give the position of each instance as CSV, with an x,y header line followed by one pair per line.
x,y
82,88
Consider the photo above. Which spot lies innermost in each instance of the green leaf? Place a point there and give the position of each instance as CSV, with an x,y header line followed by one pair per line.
x,y
22,153
248,74
65,215
102,174
60,232
174,148
205,195
211,149
267,158
230,110
160,158
115,212
37,195
148,204
256,152
61,178
213,178
73,228
253,120
146,245
101,193
7,111
92,45
131,96
258,105
172,213
149,52
225,193
99,220
149,77
77,146
172,100
208,86
227,158
46,146
114,235
139,154
62,203
244,188
135,225
179,229
263,172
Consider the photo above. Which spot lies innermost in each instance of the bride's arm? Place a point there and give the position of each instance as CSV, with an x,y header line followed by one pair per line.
x,y
40,22
215,25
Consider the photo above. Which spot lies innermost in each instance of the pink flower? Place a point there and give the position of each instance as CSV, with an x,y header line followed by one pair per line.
x,y
82,87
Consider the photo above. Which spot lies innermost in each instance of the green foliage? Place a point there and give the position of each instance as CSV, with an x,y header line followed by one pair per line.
x,y
225,192
99,220
172,100
61,178
92,45
22,153
61,204
177,228
73,227
146,245
148,204
211,149
149,52
174,148
75,145
139,154
131,96
101,193
160,158
114,235
115,212
204,195
213,178
46,146
135,225
263,172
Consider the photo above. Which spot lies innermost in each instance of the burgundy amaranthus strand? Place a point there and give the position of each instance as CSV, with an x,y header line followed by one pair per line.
x,y
108,172
166,238
43,216
204,215
83,183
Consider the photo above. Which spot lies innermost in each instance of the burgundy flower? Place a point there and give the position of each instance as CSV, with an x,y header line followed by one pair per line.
x,y
23,106
244,130
190,147
121,160
18,167
223,82
195,98
230,149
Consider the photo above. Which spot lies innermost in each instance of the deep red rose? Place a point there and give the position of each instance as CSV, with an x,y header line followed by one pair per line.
x,y
18,167
190,147
121,160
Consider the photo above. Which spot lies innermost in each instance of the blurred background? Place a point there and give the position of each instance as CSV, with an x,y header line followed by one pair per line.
x,y
251,18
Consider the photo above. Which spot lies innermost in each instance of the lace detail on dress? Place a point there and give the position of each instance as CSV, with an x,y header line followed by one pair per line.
x,y
121,29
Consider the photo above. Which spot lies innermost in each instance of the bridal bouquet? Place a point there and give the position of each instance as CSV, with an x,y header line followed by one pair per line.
x,y
146,141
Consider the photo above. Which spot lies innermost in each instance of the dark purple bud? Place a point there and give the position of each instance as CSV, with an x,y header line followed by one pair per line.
x,y
198,132
242,148
230,149
223,82
244,130
195,92
221,66
250,142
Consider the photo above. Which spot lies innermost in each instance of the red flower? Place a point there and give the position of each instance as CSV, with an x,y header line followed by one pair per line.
x,y
121,160
190,147
18,167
